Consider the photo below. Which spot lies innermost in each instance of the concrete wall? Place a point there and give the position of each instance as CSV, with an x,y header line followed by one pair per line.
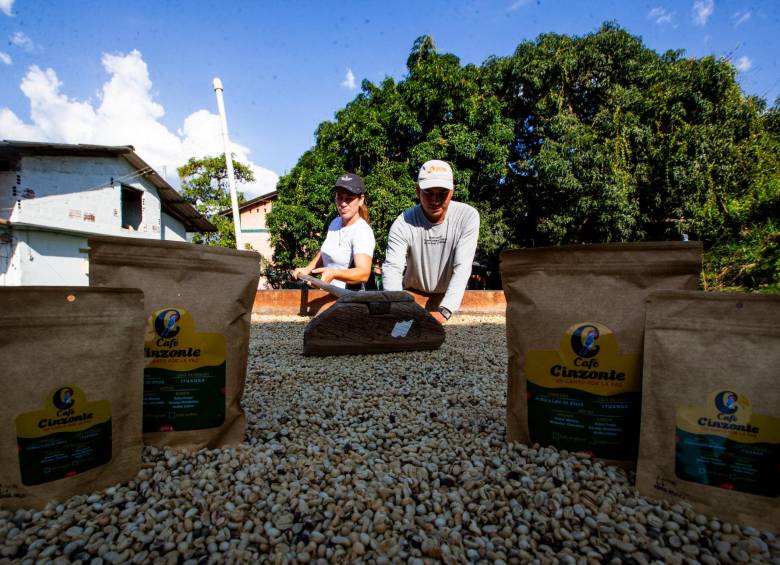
x,y
10,272
9,181
172,229
48,258
310,302
255,231
81,194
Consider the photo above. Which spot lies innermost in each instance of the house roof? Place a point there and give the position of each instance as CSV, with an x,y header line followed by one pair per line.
x,y
249,204
172,202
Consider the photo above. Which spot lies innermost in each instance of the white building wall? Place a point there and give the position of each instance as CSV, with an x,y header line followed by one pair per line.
x,y
172,229
8,180
55,203
80,194
48,258
10,271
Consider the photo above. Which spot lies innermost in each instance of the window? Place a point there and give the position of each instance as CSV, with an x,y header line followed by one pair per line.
x,y
132,207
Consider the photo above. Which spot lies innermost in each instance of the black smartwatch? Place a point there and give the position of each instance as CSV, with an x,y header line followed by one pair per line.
x,y
445,312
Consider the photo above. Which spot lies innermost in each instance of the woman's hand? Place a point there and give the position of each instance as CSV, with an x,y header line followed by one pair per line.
x,y
307,270
326,275
300,271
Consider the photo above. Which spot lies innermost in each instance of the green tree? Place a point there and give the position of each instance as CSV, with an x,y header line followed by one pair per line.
x,y
616,142
568,140
204,184
747,256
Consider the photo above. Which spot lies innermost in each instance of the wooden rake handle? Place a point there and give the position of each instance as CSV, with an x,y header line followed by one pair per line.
x,y
334,290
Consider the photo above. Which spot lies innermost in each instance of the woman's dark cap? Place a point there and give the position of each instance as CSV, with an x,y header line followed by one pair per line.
x,y
351,182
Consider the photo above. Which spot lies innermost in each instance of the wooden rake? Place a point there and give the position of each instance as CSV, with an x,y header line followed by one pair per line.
x,y
370,321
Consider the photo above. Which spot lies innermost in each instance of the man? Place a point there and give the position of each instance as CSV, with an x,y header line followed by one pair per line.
x,y
435,241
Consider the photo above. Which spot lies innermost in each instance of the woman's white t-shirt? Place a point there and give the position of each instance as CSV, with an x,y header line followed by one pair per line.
x,y
343,242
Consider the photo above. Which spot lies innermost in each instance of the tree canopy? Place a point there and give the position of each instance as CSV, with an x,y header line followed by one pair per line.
x,y
570,139
204,184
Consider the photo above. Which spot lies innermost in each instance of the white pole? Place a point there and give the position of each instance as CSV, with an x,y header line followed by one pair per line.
x,y
229,162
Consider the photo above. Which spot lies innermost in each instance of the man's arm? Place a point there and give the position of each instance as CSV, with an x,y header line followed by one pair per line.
x,y
395,258
465,248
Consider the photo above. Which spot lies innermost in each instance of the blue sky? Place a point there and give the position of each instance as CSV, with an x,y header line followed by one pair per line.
x,y
139,73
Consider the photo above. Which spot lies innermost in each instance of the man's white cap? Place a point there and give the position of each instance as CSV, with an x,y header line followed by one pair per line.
x,y
435,174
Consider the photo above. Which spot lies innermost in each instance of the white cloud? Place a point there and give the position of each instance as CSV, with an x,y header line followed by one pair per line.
x,y
265,181
12,127
19,39
5,58
743,64
660,15
125,114
702,10
57,117
741,17
202,135
349,80
517,4
5,7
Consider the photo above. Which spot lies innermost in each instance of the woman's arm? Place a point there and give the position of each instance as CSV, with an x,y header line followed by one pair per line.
x,y
354,275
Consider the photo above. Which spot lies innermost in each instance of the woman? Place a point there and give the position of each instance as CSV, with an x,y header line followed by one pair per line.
x,y
345,257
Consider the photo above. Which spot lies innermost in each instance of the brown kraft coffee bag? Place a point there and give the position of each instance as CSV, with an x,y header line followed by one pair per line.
x,y
711,404
574,321
71,373
198,309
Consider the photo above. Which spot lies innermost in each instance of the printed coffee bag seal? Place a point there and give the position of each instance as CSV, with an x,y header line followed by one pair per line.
x,y
72,371
198,310
711,405
184,377
585,396
575,317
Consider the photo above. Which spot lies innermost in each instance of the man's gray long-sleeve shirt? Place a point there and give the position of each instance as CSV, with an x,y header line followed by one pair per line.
x,y
437,257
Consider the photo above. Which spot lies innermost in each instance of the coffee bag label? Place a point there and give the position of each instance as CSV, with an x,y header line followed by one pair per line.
x,y
68,436
184,376
725,444
585,396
